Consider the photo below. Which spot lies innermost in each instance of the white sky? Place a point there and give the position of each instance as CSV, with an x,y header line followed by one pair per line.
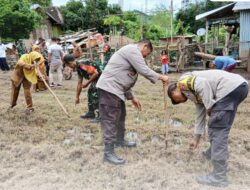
x,y
133,4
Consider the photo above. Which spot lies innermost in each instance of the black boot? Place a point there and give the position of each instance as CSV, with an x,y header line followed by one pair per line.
x,y
218,177
110,156
88,115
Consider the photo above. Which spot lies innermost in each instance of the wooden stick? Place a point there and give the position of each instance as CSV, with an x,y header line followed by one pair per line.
x,y
166,114
59,102
204,55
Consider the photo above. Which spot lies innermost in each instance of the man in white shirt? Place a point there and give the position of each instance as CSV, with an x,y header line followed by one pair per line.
x,y
55,57
3,64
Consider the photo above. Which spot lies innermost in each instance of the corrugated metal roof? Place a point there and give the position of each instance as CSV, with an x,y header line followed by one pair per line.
x,y
204,15
55,14
244,33
241,6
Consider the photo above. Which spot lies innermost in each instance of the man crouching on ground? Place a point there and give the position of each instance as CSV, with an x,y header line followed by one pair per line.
x,y
115,84
217,93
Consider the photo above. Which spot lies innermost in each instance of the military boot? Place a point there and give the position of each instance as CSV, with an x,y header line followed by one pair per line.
x,y
88,115
218,177
110,156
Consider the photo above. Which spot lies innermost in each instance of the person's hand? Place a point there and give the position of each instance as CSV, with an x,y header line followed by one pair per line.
x,y
164,79
193,144
137,104
77,101
85,85
31,67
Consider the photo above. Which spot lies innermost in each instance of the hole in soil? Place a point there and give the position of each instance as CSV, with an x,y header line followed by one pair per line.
x,y
175,122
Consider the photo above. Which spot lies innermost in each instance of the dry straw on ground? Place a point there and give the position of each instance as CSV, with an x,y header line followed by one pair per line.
x,y
48,151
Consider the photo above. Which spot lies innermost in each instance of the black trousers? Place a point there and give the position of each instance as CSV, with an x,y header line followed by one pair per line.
x,y
112,114
221,120
3,64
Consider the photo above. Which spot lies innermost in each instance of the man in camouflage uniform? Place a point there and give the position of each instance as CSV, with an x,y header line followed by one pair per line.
x,y
90,71
107,54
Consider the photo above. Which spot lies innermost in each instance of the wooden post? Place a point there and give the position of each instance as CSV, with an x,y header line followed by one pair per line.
x,y
172,21
90,50
206,37
248,61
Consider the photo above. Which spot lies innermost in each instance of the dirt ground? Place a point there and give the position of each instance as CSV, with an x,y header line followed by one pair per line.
x,y
48,151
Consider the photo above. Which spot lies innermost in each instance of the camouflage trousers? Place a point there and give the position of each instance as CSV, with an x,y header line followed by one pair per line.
x,y
93,97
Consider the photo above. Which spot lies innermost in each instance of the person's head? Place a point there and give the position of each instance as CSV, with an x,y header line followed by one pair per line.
x,y
14,47
146,47
54,39
35,48
210,64
40,40
69,61
35,56
175,94
164,52
106,48
58,40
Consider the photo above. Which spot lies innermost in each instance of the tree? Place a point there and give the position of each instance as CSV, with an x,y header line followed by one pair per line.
x,y
96,10
17,20
114,9
188,15
153,32
132,29
161,18
43,3
179,28
113,21
79,14
74,15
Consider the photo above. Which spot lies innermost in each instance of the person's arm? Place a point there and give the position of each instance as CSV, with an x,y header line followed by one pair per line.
x,y
91,79
225,65
136,60
200,124
49,55
61,54
26,66
130,96
78,89
138,63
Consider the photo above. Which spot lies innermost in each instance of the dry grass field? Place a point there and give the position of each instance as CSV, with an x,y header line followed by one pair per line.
x,y
48,151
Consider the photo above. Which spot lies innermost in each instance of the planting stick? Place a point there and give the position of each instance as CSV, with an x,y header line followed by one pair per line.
x,y
57,99
166,115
